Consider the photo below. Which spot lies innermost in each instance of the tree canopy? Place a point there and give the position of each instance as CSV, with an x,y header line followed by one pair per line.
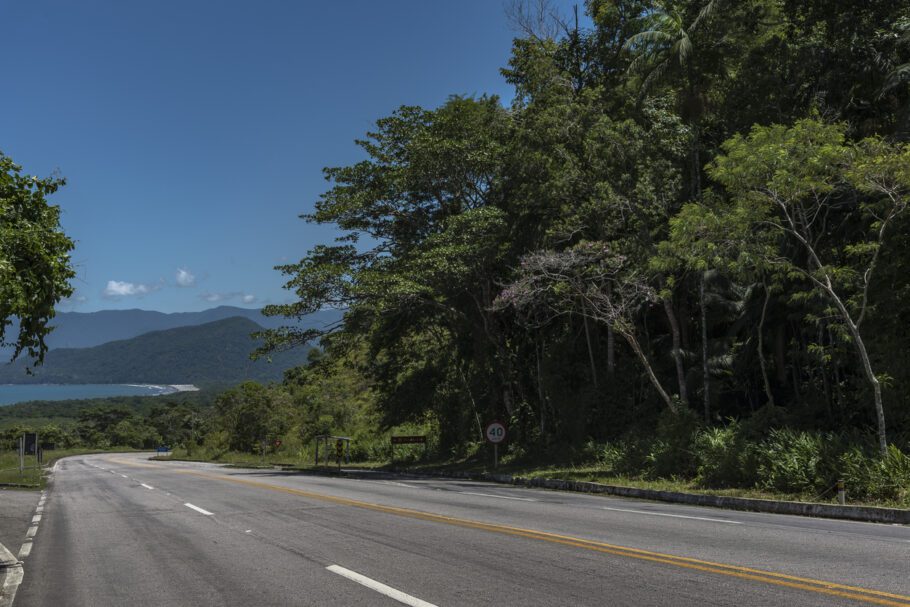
x,y
35,266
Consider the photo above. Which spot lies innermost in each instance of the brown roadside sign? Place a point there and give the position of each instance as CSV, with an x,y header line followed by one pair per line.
x,y
409,440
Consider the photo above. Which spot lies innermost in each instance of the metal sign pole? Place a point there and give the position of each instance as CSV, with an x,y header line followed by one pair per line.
x,y
21,454
495,455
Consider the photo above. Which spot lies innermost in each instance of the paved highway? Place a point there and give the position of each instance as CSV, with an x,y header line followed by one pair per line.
x,y
121,530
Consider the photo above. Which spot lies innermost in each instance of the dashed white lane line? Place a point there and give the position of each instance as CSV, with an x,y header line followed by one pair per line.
x,y
31,531
146,486
124,476
696,518
25,550
379,587
198,509
36,518
502,497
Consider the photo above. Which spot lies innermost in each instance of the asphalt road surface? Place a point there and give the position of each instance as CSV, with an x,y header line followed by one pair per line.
x,y
120,530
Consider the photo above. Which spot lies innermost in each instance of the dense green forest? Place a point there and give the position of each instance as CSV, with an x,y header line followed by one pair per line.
x,y
688,225
681,250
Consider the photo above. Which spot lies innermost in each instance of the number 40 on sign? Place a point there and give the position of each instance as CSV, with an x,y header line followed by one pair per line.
x,y
495,433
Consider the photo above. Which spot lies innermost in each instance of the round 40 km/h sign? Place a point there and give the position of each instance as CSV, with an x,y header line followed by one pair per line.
x,y
495,432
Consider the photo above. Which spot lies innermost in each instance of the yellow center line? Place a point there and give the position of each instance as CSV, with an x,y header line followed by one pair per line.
x,y
768,577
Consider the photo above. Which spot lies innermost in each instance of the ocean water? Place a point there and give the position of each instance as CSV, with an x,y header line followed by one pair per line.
x,y
17,393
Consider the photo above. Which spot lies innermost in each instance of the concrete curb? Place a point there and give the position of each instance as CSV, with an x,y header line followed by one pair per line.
x,y
870,514
11,574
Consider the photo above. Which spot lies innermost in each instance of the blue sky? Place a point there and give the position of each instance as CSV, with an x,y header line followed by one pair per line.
x,y
192,134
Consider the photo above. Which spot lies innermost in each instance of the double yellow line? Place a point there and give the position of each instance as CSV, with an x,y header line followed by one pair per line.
x,y
864,595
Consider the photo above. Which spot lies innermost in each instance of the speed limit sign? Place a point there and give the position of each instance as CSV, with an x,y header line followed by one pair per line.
x,y
495,432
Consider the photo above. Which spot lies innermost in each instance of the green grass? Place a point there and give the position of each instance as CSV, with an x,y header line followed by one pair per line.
x,y
36,478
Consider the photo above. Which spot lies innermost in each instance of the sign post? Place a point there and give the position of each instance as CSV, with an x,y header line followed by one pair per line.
x,y
495,433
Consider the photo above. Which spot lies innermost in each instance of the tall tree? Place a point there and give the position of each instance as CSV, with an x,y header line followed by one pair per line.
x,y
35,265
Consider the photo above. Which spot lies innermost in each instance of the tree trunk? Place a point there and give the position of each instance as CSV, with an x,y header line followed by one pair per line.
x,y
867,367
780,356
706,378
590,351
761,346
611,351
636,347
677,352
541,395
611,345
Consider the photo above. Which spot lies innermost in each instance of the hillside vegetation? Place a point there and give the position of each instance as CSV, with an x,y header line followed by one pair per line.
x,y
682,251
211,353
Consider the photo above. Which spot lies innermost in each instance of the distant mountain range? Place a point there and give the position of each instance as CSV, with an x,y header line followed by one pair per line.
x,y
207,354
87,329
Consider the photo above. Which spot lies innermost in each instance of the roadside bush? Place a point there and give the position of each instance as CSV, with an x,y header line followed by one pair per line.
x,y
791,461
672,452
725,458
869,476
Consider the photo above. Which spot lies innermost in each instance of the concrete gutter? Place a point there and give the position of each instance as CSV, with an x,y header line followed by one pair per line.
x,y
854,513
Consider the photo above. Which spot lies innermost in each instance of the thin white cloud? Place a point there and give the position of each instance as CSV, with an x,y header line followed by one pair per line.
x,y
223,297
185,278
119,288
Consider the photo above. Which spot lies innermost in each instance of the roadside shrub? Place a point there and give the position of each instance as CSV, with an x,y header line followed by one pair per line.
x,y
790,461
869,476
725,458
624,457
672,453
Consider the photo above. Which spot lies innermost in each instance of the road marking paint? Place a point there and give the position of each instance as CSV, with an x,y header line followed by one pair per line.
x,y
856,593
40,508
696,518
11,582
248,531
124,476
36,518
31,531
146,486
25,550
198,509
379,587
502,497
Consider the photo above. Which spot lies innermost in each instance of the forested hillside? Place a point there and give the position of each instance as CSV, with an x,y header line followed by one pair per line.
x,y
212,353
682,250
691,213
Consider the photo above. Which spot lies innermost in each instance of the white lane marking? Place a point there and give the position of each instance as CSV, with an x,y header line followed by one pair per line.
x,y
146,486
379,587
198,509
36,518
502,497
31,531
25,550
396,484
39,509
124,476
696,518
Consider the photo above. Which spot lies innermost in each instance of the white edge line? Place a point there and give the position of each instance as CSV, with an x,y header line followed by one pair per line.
x,y
146,486
198,509
25,550
379,587
696,518
502,497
